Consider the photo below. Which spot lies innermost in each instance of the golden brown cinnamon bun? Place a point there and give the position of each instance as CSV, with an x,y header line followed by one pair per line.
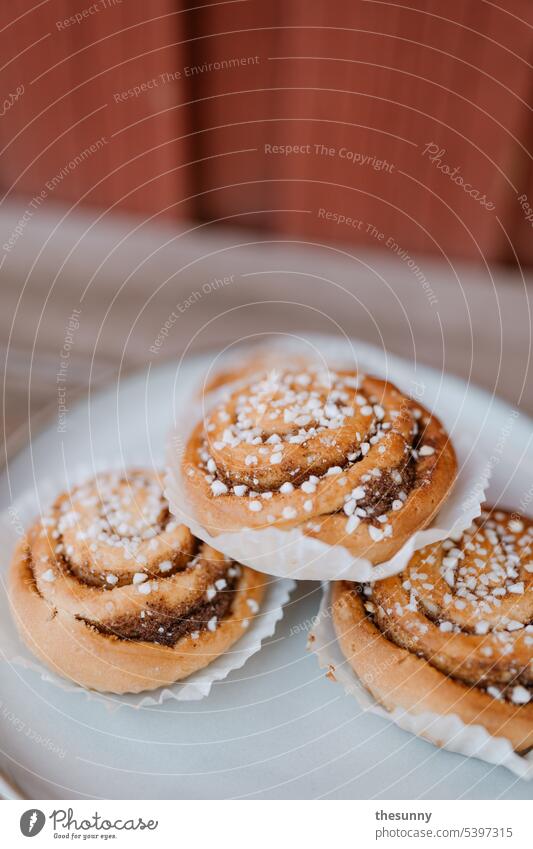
x,y
453,634
108,590
347,458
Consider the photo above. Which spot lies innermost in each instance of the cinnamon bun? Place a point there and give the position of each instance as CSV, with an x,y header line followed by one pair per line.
x,y
109,591
453,634
347,458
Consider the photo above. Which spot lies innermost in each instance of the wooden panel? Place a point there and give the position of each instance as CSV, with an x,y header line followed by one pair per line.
x,y
392,108
232,82
96,121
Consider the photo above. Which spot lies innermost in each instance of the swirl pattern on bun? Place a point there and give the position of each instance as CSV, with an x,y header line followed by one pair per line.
x,y
347,458
454,632
108,590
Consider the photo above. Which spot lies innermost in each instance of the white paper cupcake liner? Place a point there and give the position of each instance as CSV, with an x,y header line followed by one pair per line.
x,y
292,554
197,686
445,731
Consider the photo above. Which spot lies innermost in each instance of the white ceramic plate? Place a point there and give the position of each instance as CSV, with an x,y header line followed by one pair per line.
x,y
275,728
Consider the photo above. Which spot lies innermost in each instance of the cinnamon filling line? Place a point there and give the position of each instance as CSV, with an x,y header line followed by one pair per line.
x,y
393,635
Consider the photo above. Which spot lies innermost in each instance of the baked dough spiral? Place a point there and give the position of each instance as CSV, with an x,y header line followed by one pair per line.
x,y
348,458
454,632
108,590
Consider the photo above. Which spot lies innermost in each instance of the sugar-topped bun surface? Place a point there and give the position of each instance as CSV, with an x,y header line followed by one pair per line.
x,y
346,458
107,589
452,634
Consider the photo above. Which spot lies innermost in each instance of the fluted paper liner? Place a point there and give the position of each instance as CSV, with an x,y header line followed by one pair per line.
x,y
445,731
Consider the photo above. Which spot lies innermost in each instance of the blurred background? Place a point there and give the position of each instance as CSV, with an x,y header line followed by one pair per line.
x,y
176,176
